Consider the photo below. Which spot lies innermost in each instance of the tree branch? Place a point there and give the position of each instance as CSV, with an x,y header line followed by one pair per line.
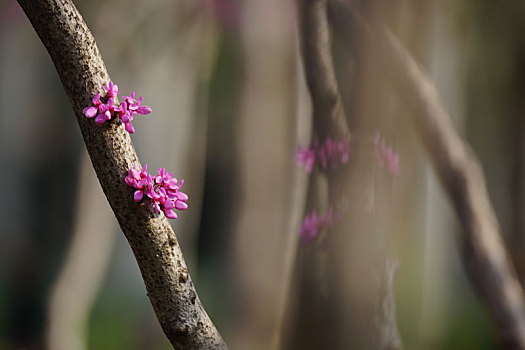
x,y
82,72
483,251
329,120
328,114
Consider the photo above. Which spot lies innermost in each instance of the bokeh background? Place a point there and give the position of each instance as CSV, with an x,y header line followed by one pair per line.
x,y
230,106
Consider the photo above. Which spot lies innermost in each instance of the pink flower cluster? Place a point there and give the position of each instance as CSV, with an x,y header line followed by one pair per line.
x,y
330,152
125,111
385,156
313,224
163,189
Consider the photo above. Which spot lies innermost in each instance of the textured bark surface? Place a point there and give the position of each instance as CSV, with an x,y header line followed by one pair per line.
x,y
483,251
82,72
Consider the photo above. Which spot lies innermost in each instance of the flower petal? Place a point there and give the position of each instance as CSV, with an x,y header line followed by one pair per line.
x,y
144,110
180,205
172,183
170,214
90,112
182,196
138,195
100,119
130,128
169,204
156,205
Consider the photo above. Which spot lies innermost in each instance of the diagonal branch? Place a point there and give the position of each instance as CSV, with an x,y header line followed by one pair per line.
x,y
82,72
482,248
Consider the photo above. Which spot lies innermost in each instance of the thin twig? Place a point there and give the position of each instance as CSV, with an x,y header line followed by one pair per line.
x,y
483,252
79,64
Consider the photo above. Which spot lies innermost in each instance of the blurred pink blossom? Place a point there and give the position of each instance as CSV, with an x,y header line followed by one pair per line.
x,y
330,153
384,155
313,224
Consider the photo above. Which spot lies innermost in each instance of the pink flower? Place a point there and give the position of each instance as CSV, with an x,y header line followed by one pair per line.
x,y
164,177
135,105
330,153
90,112
305,157
126,116
163,189
129,108
313,224
385,155
105,112
112,89
334,152
141,180
125,111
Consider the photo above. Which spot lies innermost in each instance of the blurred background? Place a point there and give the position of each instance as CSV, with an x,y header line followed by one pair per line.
x,y
230,106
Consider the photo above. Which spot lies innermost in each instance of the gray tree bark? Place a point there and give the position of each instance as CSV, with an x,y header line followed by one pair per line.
x,y
79,64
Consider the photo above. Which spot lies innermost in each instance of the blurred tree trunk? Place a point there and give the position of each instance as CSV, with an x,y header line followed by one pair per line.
x,y
343,292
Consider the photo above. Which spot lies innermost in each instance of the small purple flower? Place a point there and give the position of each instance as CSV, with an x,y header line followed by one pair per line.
x,y
125,111
112,89
180,198
163,189
91,111
141,180
135,105
330,153
126,116
164,177
105,112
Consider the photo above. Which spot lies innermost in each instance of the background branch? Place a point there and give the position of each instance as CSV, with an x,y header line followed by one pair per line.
x,y
483,252
82,72
328,113
328,301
